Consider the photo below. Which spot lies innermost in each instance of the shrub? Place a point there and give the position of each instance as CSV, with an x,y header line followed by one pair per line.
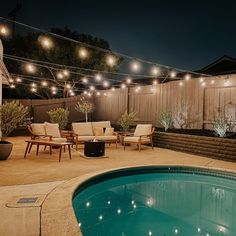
x,y
126,119
166,119
220,126
60,116
12,115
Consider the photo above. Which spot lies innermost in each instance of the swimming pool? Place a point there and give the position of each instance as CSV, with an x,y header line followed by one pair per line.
x,y
157,201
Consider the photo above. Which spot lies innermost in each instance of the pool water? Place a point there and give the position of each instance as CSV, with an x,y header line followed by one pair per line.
x,y
159,203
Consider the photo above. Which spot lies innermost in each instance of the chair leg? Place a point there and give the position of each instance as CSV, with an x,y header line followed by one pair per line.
x,y
50,149
45,147
152,145
139,146
65,148
37,152
26,150
124,145
116,144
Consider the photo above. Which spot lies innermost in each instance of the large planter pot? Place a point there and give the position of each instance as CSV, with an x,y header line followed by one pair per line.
x,y
5,150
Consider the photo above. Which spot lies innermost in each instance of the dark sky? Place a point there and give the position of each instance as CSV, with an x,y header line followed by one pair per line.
x,y
185,34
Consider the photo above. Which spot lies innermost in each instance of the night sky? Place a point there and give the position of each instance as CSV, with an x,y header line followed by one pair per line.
x,y
185,34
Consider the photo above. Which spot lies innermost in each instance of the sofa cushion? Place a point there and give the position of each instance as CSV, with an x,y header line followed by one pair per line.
x,y
103,124
109,131
59,139
107,137
38,128
52,130
143,130
82,128
98,131
85,138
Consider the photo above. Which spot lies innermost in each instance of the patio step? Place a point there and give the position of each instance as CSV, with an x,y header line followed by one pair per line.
x,y
219,148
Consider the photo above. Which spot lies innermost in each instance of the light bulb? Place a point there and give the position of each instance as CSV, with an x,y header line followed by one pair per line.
x,y
155,82
123,86
66,73
135,66
155,71
18,80
181,83
44,83
60,75
83,53
4,30
12,86
45,42
110,60
187,77
92,88
172,74
105,84
30,68
85,80
98,77
98,94
128,80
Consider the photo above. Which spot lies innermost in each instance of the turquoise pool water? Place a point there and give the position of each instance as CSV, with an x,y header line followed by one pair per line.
x,y
157,202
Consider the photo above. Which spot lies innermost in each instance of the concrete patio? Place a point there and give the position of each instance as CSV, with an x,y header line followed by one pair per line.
x,y
43,176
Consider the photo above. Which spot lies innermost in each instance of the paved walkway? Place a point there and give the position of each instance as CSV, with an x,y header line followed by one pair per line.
x,y
38,176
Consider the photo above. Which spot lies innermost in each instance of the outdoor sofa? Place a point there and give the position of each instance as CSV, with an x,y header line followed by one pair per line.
x,y
101,130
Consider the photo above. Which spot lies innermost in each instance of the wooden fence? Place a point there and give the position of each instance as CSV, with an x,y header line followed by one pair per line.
x,y
192,105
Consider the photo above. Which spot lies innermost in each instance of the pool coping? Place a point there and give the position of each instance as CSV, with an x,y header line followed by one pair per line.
x,y
58,217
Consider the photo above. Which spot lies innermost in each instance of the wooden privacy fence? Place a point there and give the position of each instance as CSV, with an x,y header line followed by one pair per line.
x,y
192,105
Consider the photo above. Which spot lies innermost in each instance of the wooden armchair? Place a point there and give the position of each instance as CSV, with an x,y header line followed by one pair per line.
x,y
143,135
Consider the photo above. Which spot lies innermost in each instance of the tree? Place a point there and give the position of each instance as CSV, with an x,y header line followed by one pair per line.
x,y
63,52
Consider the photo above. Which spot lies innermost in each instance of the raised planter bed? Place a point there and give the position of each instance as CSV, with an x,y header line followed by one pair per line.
x,y
219,148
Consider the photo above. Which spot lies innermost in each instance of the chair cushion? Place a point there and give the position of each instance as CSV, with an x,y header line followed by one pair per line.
x,y
98,131
143,130
103,124
82,128
38,128
52,130
109,131
136,139
107,137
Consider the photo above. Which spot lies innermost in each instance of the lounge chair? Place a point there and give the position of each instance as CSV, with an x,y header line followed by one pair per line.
x,y
143,134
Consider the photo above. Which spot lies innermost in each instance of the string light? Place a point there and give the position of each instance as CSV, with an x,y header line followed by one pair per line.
x,y
68,86
113,89
11,80
118,211
135,66
45,42
44,83
66,73
105,94
201,80
89,94
150,233
98,93
53,88
155,71
110,60
172,74
60,75
30,68
128,80
33,90
181,83
176,231
98,77
123,86
54,92
18,80
83,53
33,85
137,89
203,84
72,94
155,82
187,77
12,86
84,80
105,84
4,30
92,88
212,81
85,92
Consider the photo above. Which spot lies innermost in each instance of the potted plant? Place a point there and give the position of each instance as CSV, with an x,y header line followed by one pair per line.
x,y
60,116
220,126
84,107
125,120
12,115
